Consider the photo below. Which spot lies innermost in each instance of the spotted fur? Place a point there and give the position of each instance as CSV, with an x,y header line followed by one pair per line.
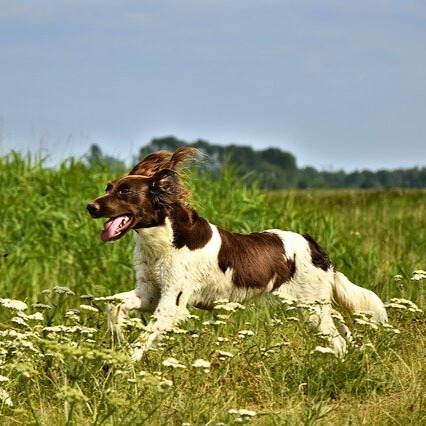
x,y
182,260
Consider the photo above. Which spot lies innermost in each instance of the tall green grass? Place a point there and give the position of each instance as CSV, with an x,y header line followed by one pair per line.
x,y
47,239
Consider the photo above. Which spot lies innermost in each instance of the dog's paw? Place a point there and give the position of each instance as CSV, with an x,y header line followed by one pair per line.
x,y
140,346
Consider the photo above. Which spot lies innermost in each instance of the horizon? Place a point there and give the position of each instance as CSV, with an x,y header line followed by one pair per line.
x,y
51,161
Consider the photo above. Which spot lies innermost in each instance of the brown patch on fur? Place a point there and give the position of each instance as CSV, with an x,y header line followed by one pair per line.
x,y
319,257
189,229
255,259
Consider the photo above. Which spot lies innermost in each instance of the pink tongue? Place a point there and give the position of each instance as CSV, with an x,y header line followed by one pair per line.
x,y
110,230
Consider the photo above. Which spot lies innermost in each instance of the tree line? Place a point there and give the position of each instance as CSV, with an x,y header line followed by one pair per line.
x,y
273,168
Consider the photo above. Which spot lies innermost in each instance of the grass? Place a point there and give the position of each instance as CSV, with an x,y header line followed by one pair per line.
x,y
78,375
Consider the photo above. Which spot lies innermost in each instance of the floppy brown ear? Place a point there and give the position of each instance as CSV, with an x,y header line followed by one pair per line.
x,y
160,160
183,155
152,164
164,183
166,189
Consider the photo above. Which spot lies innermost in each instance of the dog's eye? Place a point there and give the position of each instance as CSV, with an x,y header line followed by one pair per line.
x,y
124,191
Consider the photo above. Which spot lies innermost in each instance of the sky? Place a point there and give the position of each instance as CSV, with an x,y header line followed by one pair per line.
x,y
341,84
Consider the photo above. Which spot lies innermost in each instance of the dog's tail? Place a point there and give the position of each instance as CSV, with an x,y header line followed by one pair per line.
x,y
357,299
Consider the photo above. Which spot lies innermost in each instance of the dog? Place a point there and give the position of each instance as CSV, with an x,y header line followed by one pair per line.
x,y
181,260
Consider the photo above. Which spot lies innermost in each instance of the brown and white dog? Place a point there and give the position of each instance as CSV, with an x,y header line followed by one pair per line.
x,y
181,260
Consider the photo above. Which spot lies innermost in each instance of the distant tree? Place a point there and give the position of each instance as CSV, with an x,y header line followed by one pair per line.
x,y
275,169
95,156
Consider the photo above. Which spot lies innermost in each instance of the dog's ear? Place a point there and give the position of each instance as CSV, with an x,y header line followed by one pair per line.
x,y
160,160
165,187
152,164
184,155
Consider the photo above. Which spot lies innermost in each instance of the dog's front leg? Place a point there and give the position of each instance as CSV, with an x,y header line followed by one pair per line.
x,y
171,310
142,298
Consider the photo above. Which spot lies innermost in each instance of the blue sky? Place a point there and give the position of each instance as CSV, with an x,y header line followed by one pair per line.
x,y
340,84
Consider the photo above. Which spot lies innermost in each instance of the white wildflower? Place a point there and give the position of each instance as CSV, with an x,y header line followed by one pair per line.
x,y
19,321
295,319
89,308
88,331
406,302
284,298
242,334
275,321
418,275
18,305
87,296
74,329
134,323
395,305
368,323
201,363
172,362
27,345
165,384
38,316
230,306
107,299
387,326
366,316
179,331
242,412
398,277
57,329
337,316
193,316
4,378
73,315
323,350
218,322
368,345
222,316
195,336
309,307
221,301
63,290
41,306
223,355
4,396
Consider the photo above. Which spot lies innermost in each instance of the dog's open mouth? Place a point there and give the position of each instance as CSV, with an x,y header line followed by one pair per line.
x,y
116,227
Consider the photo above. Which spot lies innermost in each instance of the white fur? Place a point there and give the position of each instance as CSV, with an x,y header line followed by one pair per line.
x,y
165,275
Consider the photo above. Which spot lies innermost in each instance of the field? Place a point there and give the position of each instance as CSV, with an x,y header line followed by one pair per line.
x,y
59,364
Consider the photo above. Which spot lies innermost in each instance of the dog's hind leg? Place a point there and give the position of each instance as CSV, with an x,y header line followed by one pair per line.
x,y
323,322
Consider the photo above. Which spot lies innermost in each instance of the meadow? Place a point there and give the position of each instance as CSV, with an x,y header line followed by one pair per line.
x,y
259,365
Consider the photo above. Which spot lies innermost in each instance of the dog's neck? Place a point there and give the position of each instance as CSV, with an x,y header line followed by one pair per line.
x,y
160,236
182,227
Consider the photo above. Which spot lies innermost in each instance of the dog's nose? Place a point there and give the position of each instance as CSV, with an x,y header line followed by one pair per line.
x,y
93,209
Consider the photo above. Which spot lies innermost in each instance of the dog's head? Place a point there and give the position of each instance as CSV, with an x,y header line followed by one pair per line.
x,y
142,198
